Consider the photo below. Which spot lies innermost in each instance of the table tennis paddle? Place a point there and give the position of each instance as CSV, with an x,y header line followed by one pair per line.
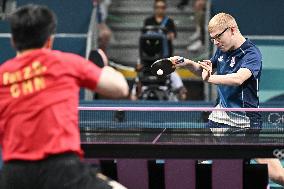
x,y
165,66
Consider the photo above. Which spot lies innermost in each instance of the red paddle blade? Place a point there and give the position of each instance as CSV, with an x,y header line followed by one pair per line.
x,y
162,67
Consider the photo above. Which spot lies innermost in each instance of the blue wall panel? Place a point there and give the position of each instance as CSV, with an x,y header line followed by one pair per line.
x,y
4,27
73,15
74,45
6,50
255,17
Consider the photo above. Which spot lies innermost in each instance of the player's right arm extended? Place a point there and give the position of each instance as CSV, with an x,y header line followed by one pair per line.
x,y
194,67
189,64
112,84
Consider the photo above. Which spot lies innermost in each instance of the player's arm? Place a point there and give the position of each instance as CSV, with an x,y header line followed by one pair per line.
x,y
233,79
251,66
275,169
112,84
191,65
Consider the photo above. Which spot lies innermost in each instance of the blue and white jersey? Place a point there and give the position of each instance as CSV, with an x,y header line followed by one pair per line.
x,y
243,96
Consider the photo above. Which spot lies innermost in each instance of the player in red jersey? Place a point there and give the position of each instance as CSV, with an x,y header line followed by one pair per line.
x,y
39,88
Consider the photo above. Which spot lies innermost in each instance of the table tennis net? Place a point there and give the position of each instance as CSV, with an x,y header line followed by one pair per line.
x,y
174,124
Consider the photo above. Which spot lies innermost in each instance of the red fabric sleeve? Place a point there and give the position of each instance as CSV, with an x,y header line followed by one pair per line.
x,y
88,73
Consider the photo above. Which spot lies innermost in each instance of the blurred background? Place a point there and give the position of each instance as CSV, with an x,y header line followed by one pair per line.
x,y
116,26
119,28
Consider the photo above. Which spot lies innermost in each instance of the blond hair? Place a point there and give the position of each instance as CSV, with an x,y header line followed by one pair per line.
x,y
222,21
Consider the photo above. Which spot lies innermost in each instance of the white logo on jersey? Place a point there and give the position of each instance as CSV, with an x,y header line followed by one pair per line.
x,y
233,62
220,59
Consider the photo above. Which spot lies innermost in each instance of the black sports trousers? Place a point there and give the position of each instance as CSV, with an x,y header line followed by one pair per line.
x,y
65,171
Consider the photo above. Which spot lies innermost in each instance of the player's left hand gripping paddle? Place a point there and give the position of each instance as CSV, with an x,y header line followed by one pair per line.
x,y
165,66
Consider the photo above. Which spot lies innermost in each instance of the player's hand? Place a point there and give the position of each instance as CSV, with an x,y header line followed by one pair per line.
x,y
206,65
207,69
176,61
205,75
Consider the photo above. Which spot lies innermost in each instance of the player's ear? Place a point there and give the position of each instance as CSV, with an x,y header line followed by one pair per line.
x,y
233,30
49,42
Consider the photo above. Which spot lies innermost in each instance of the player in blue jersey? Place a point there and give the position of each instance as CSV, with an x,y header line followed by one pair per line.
x,y
237,65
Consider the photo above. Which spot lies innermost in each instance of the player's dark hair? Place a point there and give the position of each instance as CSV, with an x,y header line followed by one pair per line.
x,y
31,26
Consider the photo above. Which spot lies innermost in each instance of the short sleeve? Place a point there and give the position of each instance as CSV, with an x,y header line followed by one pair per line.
x,y
86,72
252,61
90,75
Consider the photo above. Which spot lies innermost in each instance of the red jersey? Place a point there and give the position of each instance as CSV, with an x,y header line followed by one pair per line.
x,y
39,96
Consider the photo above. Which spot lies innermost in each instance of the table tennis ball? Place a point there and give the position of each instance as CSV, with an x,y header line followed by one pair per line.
x,y
160,72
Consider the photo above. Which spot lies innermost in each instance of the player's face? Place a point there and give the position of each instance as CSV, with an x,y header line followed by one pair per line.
x,y
160,8
221,38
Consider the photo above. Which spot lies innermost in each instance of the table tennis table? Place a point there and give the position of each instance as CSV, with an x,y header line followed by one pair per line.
x,y
173,143
121,135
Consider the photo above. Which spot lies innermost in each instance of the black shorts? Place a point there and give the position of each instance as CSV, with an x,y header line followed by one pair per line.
x,y
64,171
